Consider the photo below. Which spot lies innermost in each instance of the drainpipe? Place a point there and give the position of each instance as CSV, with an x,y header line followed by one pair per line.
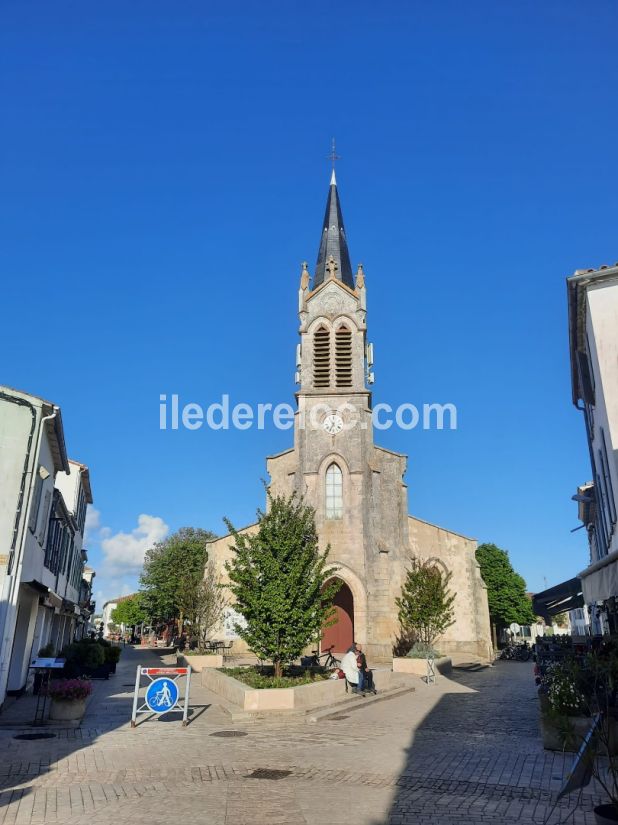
x,y
10,590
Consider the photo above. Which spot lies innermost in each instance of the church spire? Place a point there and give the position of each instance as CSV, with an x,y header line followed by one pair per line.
x,y
333,257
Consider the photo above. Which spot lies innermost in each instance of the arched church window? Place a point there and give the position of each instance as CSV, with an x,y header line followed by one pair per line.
x,y
321,357
334,492
343,357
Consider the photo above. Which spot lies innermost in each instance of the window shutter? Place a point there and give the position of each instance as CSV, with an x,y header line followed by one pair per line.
x,y
36,501
321,358
343,357
42,530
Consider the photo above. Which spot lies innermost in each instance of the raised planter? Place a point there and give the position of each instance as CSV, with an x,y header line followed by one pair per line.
x,y
303,697
418,667
199,663
565,737
67,710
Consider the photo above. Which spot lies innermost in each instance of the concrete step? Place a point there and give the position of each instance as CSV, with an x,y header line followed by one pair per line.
x,y
351,702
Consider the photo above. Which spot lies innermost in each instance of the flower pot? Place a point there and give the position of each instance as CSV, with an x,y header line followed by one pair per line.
x,y
567,737
67,710
606,814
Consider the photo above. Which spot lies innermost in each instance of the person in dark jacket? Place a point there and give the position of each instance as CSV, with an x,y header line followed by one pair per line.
x,y
365,676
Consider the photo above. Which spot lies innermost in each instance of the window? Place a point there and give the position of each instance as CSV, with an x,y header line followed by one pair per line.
x,y
321,358
36,501
334,492
609,487
343,357
80,510
602,526
42,531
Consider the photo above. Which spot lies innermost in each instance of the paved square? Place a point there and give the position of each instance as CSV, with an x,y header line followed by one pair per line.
x,y
466,750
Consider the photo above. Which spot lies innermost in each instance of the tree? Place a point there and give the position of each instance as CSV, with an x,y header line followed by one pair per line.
x,y
167,565
202,602
130,611
561,619
506,589
280,582
426,603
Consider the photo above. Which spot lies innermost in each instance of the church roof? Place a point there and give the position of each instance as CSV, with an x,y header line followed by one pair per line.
x,y
333,242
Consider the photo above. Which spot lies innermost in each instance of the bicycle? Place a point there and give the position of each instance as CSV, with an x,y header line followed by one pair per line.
x,y
519,653
330,662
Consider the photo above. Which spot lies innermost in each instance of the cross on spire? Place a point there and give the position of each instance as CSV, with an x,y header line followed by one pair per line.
x,y
333,157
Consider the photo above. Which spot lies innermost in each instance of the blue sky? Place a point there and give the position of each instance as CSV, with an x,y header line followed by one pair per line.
x,y
164,175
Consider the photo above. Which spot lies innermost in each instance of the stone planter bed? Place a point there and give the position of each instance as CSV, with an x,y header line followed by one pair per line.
x,y
418,667
199,663
303,697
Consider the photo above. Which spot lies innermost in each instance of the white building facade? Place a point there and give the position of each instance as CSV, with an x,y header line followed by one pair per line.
x,y
593,332
41,535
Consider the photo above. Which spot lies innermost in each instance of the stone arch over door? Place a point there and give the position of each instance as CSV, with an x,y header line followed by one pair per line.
x,y
353,584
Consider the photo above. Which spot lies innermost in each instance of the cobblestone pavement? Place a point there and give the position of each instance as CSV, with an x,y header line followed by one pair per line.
x,y
466,750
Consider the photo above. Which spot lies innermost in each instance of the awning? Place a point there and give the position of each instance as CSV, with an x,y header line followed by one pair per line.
x,y
600,579
565,596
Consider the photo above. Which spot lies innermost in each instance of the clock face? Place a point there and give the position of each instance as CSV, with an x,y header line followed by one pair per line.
x,y
333,424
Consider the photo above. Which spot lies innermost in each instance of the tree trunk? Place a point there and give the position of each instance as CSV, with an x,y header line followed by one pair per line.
x,y
278,670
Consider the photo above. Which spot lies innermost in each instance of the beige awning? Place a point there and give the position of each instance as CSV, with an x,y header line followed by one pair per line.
x,y
600,579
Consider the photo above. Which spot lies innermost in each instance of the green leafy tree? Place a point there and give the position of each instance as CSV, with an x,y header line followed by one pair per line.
x,y
426,603
506,589
280,582
167,565
130,611
202,602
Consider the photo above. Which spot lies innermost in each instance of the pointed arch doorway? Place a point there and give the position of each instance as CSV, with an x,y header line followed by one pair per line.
x,y
340,634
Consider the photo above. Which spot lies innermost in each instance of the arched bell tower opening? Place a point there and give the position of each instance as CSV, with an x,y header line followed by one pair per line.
x,y
341,633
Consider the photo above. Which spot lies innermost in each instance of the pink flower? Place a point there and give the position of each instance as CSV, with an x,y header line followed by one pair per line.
x,y
69,689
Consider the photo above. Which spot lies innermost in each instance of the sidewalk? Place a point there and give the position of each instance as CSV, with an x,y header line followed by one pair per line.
x,y
109,706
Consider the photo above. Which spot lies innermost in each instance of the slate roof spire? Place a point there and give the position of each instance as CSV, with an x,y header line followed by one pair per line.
x,y
333,242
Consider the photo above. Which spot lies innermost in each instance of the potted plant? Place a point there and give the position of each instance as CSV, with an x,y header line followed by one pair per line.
x,y
112,656
86,658
565,710
68,699
602,672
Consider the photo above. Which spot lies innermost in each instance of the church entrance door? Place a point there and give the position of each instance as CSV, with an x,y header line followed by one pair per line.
x,y
340,634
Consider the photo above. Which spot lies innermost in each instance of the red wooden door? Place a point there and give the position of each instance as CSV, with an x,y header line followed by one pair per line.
x,y
340,634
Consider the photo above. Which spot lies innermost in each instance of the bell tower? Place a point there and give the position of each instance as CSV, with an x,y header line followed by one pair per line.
x,y
355,487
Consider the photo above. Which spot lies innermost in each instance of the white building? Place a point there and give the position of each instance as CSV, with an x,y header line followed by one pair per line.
x,y
41,534
593,334
108,609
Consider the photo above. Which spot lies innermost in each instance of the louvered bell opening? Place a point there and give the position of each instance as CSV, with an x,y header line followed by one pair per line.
x,y
343,357
321,358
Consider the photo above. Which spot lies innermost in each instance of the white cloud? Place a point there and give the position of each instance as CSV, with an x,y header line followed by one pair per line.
x,y
112,588
123,553
93,524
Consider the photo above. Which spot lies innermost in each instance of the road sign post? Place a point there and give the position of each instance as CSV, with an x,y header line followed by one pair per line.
x,y
162,692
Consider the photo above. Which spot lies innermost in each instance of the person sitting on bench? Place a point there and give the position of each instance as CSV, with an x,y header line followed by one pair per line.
x,y
350,668
365,676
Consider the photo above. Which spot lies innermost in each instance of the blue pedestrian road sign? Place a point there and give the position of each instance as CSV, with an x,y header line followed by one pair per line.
x,y
162,695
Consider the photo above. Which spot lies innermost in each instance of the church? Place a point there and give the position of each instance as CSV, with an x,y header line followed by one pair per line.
x,y
356,487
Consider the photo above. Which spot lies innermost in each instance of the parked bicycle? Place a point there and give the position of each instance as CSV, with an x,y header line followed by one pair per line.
x,y
516,653
315,660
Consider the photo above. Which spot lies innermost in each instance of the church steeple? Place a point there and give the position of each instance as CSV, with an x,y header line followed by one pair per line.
x,y
333,243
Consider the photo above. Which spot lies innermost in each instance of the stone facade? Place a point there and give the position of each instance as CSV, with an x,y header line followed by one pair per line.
x,y
357,487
